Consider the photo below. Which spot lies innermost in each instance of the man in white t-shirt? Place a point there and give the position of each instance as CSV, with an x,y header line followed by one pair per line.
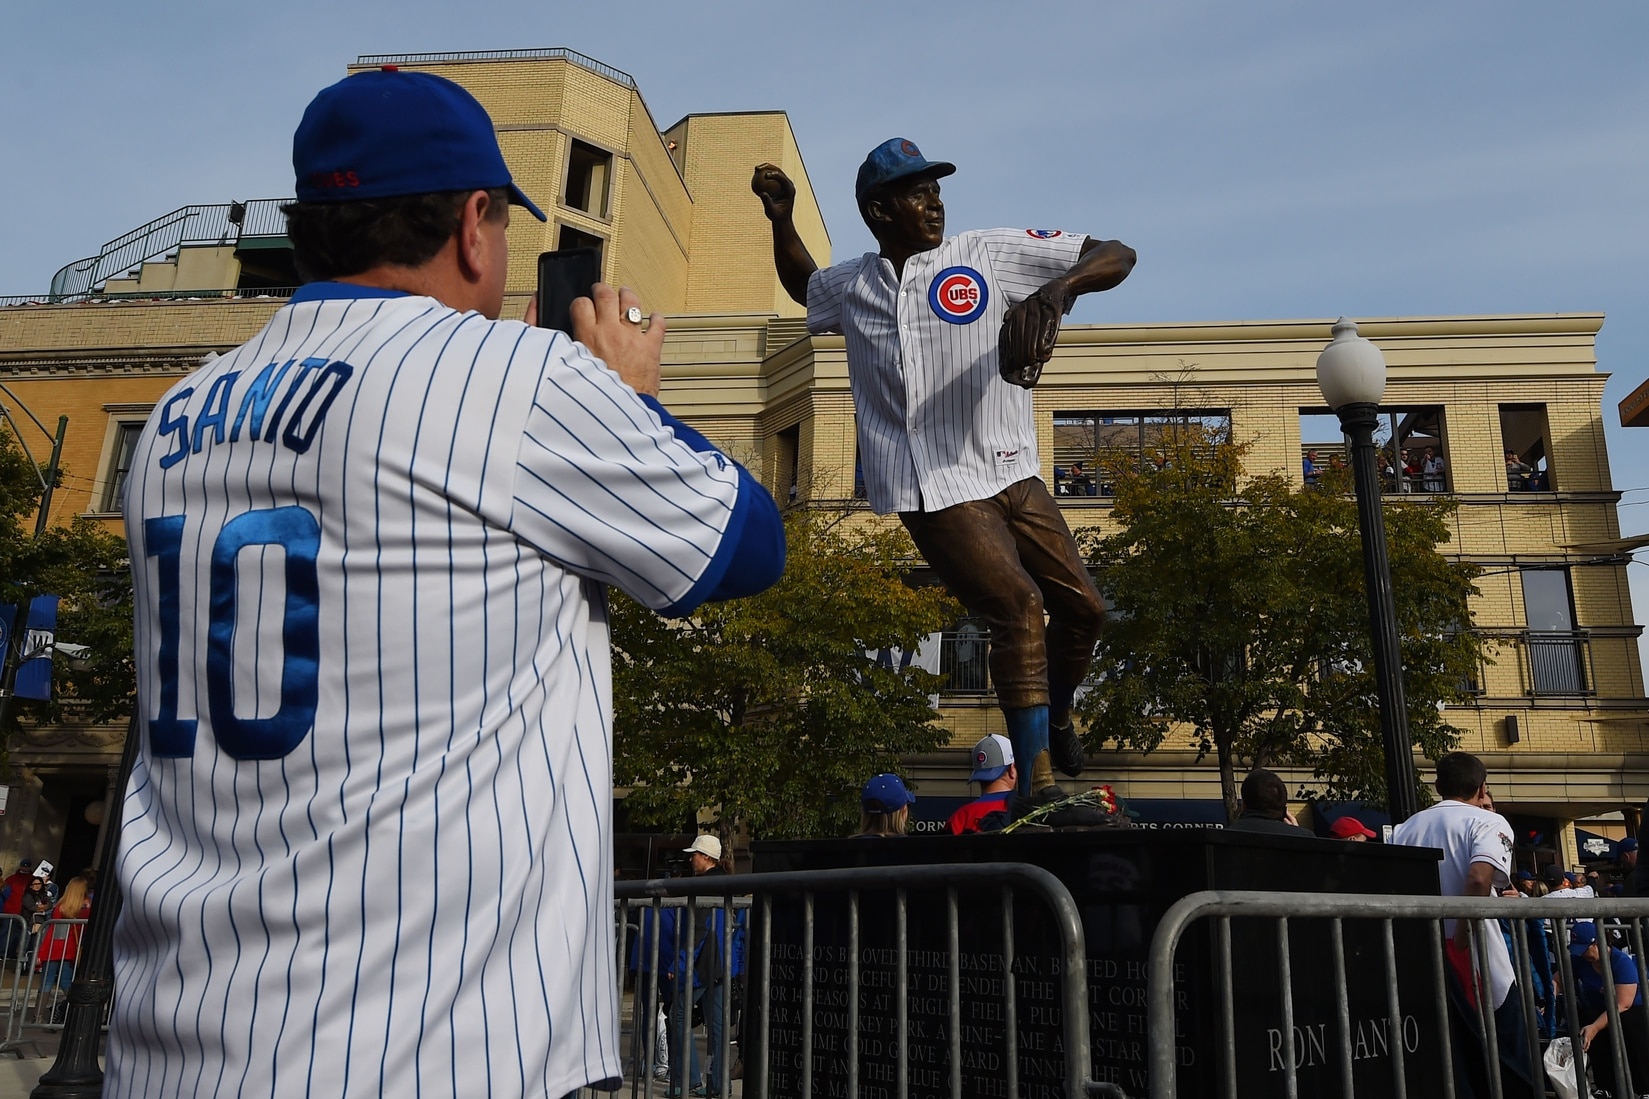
x,y
1477,861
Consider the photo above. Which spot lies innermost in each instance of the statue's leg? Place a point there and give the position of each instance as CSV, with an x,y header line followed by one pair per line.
x,y
972,549
1049,554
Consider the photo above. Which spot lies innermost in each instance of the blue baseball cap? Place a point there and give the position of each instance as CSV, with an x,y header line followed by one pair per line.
x,y
885,794
1627,846
894,159
387,133
1581,936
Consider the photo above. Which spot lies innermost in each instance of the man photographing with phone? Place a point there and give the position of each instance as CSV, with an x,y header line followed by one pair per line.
x,y
368,838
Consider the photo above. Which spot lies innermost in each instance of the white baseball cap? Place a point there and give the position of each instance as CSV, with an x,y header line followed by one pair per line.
x,y
992,757
706,845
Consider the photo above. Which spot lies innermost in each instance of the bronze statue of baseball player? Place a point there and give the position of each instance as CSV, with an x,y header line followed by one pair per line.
x,y
945,338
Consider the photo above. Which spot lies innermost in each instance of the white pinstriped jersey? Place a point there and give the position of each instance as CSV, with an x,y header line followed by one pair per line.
x,y
367,844
937,424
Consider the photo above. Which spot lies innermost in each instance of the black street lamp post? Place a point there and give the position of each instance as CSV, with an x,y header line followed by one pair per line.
x,y
75,1074
1352,375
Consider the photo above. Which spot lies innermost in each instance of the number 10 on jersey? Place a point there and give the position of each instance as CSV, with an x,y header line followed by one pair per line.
x,y
296,531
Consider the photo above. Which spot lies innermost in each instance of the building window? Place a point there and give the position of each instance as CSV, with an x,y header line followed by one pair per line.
x,y
568,237
589,176
1412,447
120,463
964,658
789,463
1525,441
1091,448
1557,652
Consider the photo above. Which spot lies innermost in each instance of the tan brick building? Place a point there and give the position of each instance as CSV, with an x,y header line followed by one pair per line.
x,y
1561,717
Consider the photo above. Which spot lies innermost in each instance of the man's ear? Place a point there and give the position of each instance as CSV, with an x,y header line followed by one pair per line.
x,y
472,243
876,211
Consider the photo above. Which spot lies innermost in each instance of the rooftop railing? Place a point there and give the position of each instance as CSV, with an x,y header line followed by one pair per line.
x,y
557,53
220,223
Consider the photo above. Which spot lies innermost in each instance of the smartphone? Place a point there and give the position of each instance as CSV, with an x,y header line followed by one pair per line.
x,y
563,275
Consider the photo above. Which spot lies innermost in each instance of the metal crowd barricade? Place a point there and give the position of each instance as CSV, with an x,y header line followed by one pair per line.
x,y
34,988
1527,922
640,909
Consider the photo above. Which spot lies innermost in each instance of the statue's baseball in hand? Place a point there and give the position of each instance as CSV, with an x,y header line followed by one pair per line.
x,y
774,188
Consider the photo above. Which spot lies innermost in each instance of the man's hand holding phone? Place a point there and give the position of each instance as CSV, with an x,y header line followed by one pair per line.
x,y
630,349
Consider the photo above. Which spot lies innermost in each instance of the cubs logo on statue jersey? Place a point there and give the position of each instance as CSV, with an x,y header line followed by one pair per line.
x,y
959,295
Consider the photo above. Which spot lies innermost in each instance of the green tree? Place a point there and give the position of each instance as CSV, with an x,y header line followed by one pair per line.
x,y
1242,614
767,711
86,567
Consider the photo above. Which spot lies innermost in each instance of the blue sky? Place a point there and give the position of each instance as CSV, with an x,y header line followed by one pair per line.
x,y
1270,159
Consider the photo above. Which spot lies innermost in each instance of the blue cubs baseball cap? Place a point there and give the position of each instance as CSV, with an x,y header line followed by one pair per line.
x,y
387,133
1581,936
894,159
885,794
1627,846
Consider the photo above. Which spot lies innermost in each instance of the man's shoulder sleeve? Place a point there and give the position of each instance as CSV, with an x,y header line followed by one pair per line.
x,y
605,488
1024,259
826,288
1491,836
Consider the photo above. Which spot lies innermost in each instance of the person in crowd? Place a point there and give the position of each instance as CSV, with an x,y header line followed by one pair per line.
x,y
1350,828
1477,857
884,807
994,769
1433,471
36,910
1626,857
654,948
1517,473
1265,806
709,965
1525,883
60,943
1310,467
11,904
1408,470
1591,1001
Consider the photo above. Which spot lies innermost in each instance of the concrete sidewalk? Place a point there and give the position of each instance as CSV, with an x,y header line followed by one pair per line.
x,y
17,1078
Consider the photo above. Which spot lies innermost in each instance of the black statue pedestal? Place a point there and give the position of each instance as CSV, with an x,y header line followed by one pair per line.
x,y
1123,881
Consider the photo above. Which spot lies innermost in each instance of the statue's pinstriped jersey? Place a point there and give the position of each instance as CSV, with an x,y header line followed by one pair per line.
x,y
937,424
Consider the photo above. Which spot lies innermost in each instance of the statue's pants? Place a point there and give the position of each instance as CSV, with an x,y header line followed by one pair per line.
x,y
1012,562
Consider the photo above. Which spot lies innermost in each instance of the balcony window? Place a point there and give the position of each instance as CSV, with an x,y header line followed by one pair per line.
x,y
1092,448
589,175
1412,447
1525,439
1557,651
964,658
569,237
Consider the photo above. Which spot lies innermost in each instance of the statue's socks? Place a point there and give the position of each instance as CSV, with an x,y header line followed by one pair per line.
x,y
1028,730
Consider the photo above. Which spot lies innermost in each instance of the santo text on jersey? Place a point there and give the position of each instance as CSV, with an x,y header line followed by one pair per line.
x,y
283,403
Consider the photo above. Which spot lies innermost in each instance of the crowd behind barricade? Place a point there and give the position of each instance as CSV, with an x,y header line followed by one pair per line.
x,y
42,943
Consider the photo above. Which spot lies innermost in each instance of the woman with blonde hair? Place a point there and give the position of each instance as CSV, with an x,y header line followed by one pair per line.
x,y
884,807
60,944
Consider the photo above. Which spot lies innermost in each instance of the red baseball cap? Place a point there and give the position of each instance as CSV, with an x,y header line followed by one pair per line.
x,y
1346,827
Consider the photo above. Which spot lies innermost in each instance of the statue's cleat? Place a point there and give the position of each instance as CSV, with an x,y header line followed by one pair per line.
x,y
1066,748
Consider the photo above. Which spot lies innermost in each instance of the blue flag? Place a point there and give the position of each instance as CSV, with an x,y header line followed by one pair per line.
x,y
34,667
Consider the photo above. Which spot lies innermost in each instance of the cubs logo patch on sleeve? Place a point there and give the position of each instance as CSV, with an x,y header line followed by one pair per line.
x,y
1044,234
958,295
